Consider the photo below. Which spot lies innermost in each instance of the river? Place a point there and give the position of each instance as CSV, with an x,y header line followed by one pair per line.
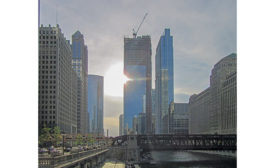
x,y
180,159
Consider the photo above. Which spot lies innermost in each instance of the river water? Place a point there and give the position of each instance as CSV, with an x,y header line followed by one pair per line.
x,y
180,160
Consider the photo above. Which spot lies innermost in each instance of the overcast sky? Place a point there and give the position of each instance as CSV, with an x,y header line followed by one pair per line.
x,y
204,31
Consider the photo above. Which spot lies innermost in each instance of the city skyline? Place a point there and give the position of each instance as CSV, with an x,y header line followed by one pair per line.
x,y
202,36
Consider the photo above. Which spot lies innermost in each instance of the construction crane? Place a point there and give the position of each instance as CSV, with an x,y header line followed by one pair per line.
x,y
135,32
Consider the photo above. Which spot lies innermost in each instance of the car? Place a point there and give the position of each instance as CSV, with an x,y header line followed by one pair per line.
x,y
55,152
75,150
68,149
43,150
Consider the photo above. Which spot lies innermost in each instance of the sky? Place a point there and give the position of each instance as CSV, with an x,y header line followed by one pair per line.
x,y
204,31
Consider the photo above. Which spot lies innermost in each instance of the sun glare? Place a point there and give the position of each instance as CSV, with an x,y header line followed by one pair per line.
x,y
114,80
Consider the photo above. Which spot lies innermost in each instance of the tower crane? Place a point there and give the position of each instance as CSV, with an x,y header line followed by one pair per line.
x,y
135,32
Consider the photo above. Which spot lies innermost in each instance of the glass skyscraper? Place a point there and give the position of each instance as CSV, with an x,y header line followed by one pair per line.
x,y
137,67
80,66
164,81
95,104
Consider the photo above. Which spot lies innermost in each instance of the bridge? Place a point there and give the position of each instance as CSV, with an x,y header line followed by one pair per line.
x,y
86,159
180,142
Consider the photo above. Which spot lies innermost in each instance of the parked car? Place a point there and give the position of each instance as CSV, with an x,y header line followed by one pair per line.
x,y
75,150
68,149
43,150
55,152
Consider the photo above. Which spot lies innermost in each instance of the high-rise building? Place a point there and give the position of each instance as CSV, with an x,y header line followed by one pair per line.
x,y
95,104
80,65
121,121
164,81
229,105
137,66
57,82
178,118
214,110
153,111
221,70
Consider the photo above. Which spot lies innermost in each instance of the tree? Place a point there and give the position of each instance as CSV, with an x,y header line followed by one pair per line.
x,y
79,139
90,139
56,136
45,137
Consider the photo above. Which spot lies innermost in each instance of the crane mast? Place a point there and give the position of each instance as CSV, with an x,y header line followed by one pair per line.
x,y
135,32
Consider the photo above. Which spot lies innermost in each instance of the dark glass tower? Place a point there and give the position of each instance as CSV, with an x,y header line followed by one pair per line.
x,y
95,104
80,65
137,67
164,81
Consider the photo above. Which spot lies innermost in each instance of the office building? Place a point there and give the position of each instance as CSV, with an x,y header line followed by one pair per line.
x,y
221,70
137,67
213,111
229,105
95,104
57,82
178,118
80,66
164,81
199,112
121,121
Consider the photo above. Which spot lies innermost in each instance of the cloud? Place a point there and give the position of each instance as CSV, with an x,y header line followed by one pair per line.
x,y
112,124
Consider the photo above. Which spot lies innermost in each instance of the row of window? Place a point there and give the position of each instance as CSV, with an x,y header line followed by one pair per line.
x,y
49,122
47,37
48,72
46,97
46,102
47,32
46,62
46,107
47,77
47,42
46,81
47,67
46,87
46,92
45,112
46,52
47,57
50,117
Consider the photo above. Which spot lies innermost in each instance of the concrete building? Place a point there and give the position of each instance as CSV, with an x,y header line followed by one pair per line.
x,y
199,112
95,104
229,105
178,118
221,70
80,65
57,82
164,81
121,124
214,110
137,67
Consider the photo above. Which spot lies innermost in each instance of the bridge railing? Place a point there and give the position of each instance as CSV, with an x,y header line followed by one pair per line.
x,y
48,162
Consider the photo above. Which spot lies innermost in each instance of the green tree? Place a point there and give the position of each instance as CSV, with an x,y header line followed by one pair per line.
x,y
79,139
45,136
56,136
90,139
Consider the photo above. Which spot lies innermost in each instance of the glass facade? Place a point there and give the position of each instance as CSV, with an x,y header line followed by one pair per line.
x,y
137,91
134,91
164,80
95,104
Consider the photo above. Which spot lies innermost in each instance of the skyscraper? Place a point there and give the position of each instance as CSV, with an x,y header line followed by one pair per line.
x,y
121,121
95,104
80,65
164,81
137,66
57,82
